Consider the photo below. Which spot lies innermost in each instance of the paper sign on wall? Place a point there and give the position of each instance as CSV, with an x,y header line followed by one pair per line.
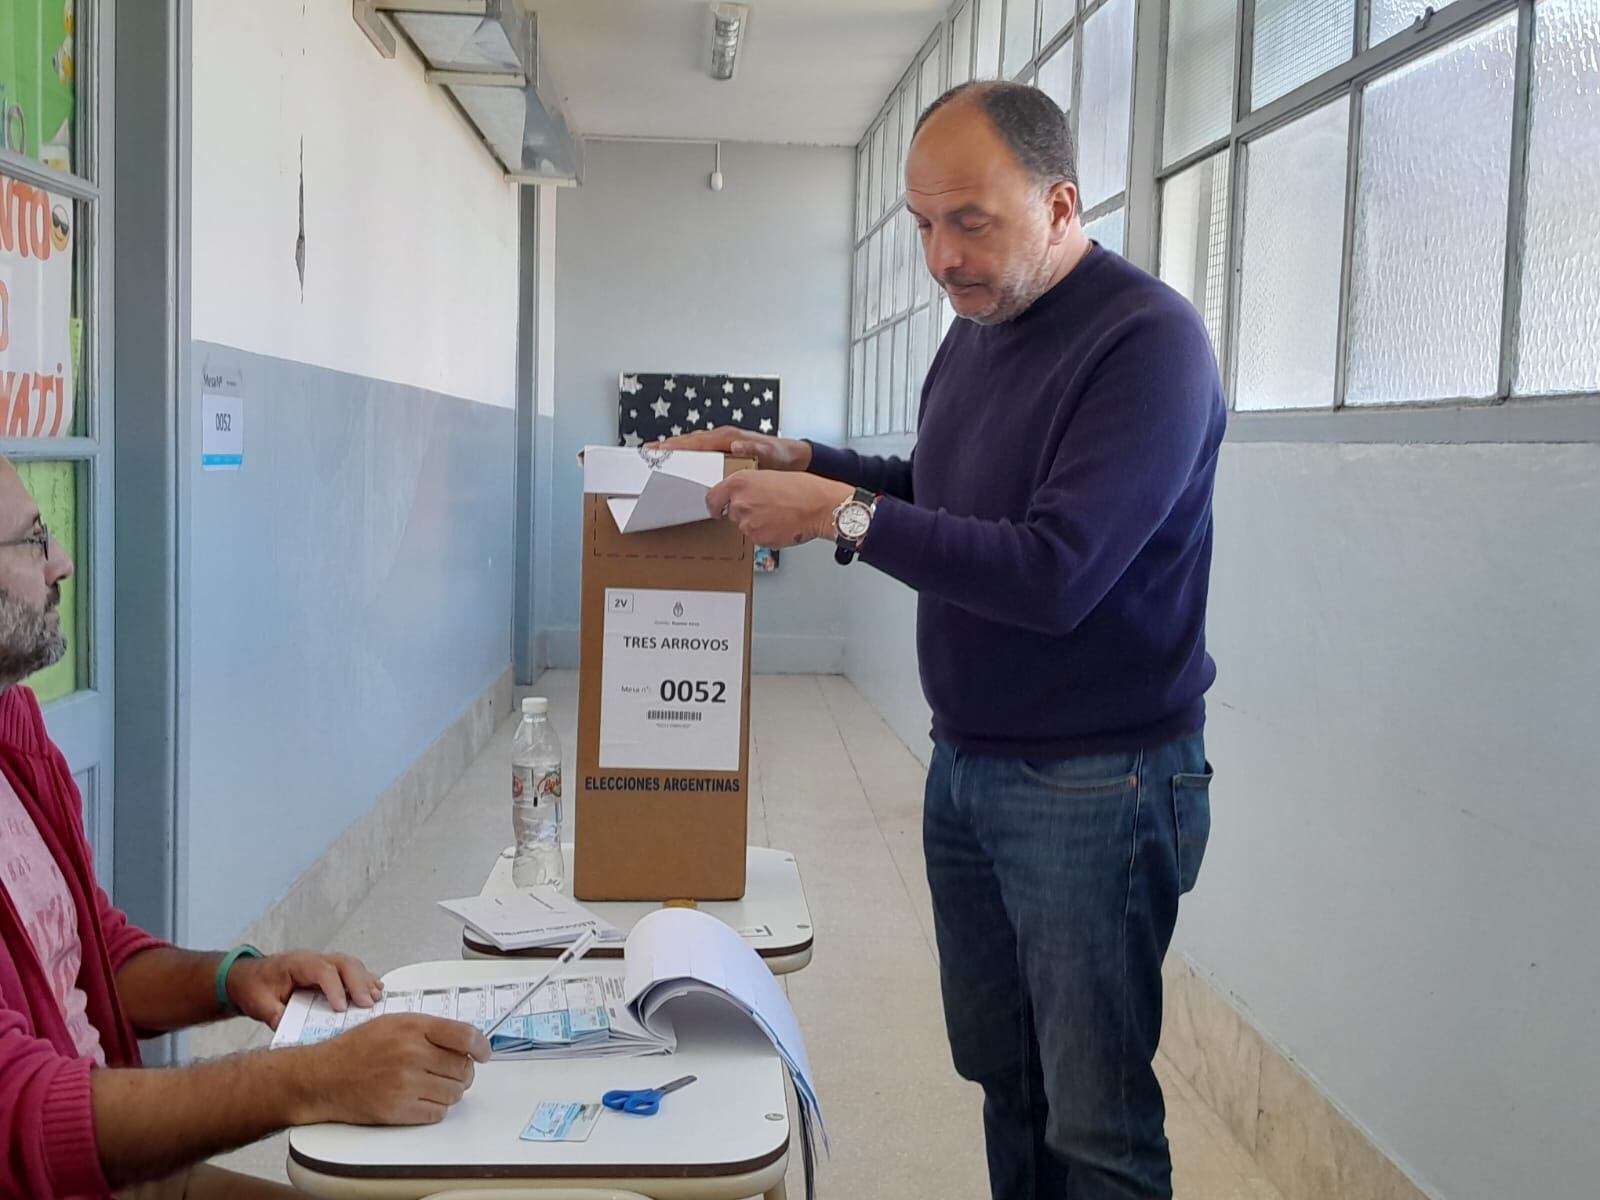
x,y
221,420
37,365
672,680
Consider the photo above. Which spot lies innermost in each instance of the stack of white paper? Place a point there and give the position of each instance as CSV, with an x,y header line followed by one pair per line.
x,y
529,918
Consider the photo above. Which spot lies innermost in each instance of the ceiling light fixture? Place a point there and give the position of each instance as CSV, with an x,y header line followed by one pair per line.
x,y
728,23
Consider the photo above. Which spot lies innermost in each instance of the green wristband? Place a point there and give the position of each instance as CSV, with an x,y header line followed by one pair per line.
x,y
224,967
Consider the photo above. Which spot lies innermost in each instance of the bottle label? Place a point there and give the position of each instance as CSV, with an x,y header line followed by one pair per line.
x,y
541,785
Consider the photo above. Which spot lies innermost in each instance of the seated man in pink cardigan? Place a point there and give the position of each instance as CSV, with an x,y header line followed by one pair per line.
x,y
78,984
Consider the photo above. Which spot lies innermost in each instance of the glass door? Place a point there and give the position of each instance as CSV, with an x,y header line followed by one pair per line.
x,y
55,341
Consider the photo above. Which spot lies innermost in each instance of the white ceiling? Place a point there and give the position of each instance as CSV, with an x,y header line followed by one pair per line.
x,y
809,71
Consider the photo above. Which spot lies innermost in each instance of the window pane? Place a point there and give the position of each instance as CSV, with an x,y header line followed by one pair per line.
x,y
902,365
38,80
931,78
41,335
874,282
1293,249
921,355
1020,15
858,296
890,368
1055,17
1435,155
1200,57
1390,17
1194,238
861,190
55,489
875,181
901,268
886,308
893,165
1297,40
908,123
961,47
987,65
921,281
1109,230
1107,97
858,376
1055,76
869,390
1559,332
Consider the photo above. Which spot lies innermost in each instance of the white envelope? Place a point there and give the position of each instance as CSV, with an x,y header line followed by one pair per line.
x,y
649,488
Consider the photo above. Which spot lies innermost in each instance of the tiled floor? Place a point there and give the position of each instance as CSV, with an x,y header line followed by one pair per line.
x,y
832,784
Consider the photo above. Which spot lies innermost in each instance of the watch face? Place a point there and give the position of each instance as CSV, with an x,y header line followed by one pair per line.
x,y
854,518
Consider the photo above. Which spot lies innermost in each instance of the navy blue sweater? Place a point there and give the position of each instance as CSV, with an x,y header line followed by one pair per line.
x,y
1055,519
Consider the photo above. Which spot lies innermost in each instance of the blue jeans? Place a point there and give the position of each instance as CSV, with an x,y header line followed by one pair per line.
x,y
1055,890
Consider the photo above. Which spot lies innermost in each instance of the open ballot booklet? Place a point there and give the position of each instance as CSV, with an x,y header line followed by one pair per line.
x,y
671,954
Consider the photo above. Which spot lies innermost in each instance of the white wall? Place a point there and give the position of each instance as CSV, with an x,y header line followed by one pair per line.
x,y
656,272
411,229
1401,887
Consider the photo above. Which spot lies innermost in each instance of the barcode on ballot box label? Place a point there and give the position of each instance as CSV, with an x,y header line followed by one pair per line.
x,y
672,714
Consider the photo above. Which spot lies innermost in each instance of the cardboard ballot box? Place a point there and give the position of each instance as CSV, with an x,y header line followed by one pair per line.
x,y
663,695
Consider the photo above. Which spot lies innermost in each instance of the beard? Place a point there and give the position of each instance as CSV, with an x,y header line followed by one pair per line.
x,y
31,639
1016,288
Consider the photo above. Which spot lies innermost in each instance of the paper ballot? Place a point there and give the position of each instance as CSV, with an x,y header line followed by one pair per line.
x,y
528,918
649,488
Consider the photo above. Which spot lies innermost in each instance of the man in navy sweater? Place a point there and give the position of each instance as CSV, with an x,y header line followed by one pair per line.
x,y
1055,520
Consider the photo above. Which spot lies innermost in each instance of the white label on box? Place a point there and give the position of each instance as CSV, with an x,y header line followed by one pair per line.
x,y
672,680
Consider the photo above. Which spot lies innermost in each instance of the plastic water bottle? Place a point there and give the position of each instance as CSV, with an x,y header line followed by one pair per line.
x,y
536,798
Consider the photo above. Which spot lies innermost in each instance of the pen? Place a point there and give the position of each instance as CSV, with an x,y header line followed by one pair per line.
x,y
568,956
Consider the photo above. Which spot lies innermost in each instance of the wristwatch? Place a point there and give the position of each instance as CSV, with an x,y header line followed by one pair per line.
x,y
851,520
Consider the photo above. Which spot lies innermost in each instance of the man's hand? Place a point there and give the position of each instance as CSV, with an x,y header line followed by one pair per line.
x,y
394,1070
770,453
778,510
261,987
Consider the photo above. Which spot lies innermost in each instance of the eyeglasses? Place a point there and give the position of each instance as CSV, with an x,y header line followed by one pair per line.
x,y
40,537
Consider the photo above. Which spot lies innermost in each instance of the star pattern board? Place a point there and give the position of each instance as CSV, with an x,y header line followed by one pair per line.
x,y
652,407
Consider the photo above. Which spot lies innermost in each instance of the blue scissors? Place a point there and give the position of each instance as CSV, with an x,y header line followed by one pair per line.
x,y
645,1102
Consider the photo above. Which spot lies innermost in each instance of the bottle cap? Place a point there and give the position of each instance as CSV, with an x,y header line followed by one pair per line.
x,y
535,706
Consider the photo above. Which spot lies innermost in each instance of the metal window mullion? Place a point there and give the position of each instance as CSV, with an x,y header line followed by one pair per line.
x,y
36,174
1347,265
1233,272
1517,203
1194,159
1145,135
1363,28
41,449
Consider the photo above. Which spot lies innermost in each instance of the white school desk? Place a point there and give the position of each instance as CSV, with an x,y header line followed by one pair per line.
x,y
773,917
725,1137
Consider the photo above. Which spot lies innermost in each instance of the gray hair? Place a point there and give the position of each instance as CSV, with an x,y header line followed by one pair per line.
x,y
1031,123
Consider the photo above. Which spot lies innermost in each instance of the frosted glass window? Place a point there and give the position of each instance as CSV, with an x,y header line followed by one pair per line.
x,y
1054,17
1200,58
1109,230
903,360
869,390
893,166
988,61
1194,238
874,282
886,271
861,190
1390,17
1430,235
931,79
858,378
921,281
1297,40
1055,76
1559,331
858,296
1293,250
891,375
902,262
875,182
1020,16
908,121
961,47
1104,108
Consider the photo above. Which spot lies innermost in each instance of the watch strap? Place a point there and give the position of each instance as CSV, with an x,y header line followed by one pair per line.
x,y
226,965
